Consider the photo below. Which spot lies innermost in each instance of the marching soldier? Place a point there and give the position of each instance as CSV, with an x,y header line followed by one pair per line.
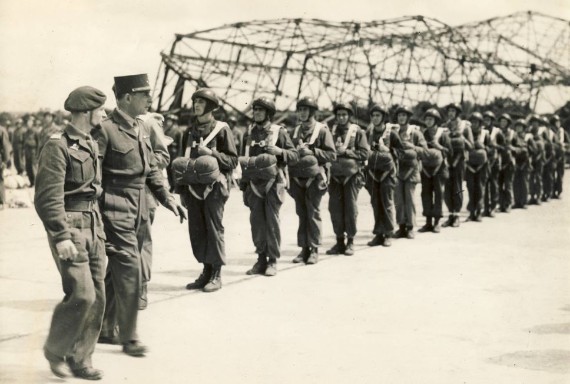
x,y
381,178
408,175
494,162
563,144
507,163
128,165
310,177
477,168
434,170
537,161
265,195
68,186
347,178
461,141
525,147
206,136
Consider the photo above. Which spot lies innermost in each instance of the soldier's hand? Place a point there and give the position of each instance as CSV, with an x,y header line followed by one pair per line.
x,y
341,150
273,150
204,151
66,250
305,152
176,209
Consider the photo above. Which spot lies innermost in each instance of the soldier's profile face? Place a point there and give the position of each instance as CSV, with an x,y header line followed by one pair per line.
x,y
451,113
259,114
342,117
377,117
430,121
475,124
199,106
487,120
97,116
402,118
140,102
303,113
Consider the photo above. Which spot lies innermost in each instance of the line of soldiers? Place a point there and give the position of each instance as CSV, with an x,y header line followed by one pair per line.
x,y
99,176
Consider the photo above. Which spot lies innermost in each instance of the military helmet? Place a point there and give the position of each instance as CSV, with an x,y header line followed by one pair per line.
x,y
206,94
490,114
308,102
455,106
554,119
507,117
266,103
403,109
476,116
433,113
520,122
343,106
379,108
534,117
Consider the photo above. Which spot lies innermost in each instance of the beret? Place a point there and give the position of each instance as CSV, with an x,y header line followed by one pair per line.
x,y
84,99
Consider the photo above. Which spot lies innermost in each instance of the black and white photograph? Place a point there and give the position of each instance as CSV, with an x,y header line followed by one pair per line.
x,y
265,191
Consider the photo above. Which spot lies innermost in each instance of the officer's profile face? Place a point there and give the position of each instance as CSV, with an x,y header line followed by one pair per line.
x,y
451,113
402,118
303,113
487,120
503,123
429,121
199,106
342,117
97,116
140,102
377,117
259,114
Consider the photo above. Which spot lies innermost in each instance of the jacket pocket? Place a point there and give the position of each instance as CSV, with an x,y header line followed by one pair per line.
x,y
81,168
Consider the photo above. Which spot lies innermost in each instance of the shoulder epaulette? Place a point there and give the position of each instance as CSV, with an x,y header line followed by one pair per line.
x,y
56,136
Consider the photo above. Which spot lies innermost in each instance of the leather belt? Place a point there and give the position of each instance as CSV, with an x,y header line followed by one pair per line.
x,y
80,205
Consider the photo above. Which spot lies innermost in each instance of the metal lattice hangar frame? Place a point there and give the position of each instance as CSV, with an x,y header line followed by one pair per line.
x,y
524,56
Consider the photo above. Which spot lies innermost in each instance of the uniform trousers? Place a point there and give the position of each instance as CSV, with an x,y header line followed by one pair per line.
x,y
559,176
264,209
476,188
453,193
19,160
308,194
506,185
535,181
404,201
382,200
492,187
343,204
548,178
76,321
146,251
205,216
520,185
432,193
31,165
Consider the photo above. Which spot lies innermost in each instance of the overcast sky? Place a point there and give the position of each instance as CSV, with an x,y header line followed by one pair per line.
x,y
49,47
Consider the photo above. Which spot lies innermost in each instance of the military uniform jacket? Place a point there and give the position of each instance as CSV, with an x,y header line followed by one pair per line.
x,y
68,171
258,137
127,156
357,147
507,147
323,148
46,133
5,148
458,128
446,152
411,135
391,141
496,136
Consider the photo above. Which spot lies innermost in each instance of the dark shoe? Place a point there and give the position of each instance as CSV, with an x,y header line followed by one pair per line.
x,y
400,233
135,348
313,257
448,222
113,340
215,282
349,250
202,280
88,373
387,242
426,228
258,268
303,256
491,214
338,248
271,269
377,240
456,222
57,365
436,228
410,234
471,217
477,218
143,300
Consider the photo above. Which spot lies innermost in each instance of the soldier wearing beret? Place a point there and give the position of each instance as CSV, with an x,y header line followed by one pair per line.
x,y
128,165
206,202
68,186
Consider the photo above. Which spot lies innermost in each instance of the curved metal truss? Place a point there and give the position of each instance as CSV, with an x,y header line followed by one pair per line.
x,y
404,61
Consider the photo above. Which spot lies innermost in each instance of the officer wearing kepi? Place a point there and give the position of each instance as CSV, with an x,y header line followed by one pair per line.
x,y
264,189
128,164
68,185
310,177
347,178
206,136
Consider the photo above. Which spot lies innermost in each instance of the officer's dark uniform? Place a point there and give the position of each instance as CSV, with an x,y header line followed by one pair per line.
x,y
206,203
343,192
453,194
128,165
308,193
507,166
433,178
5,156
476,174
525,147
67,188
264,198
381,184
494,162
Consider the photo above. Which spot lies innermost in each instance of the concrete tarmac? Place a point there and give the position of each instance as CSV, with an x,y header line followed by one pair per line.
x,y
484,303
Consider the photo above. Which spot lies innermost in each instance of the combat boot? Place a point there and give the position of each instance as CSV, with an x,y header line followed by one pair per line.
x,y
271,269
428,227
410,233
400,233
456,220
436,227
349,250
215,282
338,248
387,241
449,221
303,256
313,256
203,279
377,240
259,267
